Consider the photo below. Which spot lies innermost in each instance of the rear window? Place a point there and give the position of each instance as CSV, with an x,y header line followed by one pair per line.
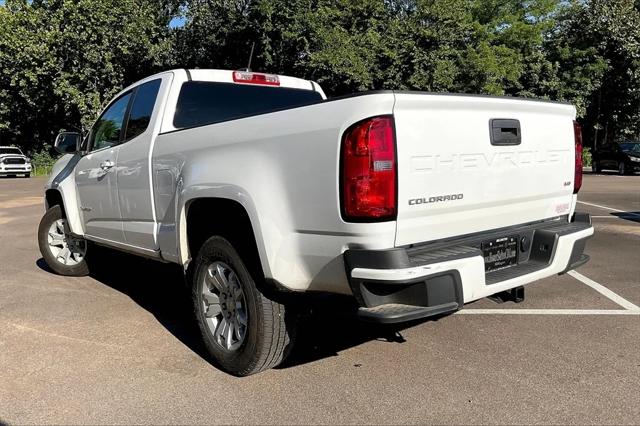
x,y
202,103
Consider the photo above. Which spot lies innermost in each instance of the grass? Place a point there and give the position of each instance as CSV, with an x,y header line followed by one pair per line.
x,y
41,171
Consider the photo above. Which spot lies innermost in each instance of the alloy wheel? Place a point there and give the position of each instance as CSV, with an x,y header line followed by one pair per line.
x,y
224,306
67,250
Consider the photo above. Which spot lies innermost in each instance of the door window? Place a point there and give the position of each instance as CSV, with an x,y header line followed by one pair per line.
x,y
142,108
107,130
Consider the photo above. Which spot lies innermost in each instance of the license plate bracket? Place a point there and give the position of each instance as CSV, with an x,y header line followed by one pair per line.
x,y
500,253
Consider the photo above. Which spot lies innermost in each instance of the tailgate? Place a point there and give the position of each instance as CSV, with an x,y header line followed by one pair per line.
x,y
453,179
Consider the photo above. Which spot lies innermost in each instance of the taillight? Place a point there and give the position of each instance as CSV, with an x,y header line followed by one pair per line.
x,y
368,175
256,78
577,178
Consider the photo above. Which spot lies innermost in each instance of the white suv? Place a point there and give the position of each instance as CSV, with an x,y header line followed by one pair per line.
x,y
14,162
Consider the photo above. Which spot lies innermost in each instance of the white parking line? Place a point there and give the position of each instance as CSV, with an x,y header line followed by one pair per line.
x,y
604,291
548,312
610,209
629,308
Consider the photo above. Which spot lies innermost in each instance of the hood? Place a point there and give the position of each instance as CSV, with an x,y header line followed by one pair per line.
x,y
12,156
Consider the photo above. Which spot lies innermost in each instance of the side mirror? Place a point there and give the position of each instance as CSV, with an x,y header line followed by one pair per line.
x,y
68,142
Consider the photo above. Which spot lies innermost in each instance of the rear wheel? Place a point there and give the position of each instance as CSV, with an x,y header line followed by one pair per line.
x,y
244,330
64,254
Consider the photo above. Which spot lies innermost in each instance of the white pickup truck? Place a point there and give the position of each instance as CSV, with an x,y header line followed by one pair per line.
x,y
13,162
262,189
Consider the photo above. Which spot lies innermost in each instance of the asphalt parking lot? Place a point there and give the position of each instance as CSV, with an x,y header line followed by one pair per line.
x,y
119,346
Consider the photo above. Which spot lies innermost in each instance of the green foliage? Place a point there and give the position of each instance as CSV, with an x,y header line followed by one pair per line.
x,y
586,157
61,60
596,49
42,161
611,29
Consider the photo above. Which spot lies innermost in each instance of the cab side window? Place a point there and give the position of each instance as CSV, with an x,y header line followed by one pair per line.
x,y
142,108
108,129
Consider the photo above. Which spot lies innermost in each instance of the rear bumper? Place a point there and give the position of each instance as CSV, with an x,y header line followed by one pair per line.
x,y
409,283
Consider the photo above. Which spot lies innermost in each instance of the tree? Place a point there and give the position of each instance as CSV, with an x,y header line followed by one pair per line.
x,y
60,61
596,48
475,46
507,54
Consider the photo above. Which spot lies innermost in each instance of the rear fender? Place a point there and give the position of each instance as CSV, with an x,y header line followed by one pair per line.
x,y
221,191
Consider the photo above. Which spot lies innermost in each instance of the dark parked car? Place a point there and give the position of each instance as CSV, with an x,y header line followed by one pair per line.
x,y
623,157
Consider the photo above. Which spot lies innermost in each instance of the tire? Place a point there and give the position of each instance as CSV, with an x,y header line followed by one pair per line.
x,y
49,232
622,168
596,167
27,175
267,334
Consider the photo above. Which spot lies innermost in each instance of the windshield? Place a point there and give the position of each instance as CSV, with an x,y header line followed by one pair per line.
x,y
630,147
10,151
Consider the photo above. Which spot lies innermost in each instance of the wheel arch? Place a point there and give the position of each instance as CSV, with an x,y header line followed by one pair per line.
x,y
233,221
53,197
61,190
57,195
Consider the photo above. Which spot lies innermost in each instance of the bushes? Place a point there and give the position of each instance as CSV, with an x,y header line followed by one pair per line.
x,y
586,157
42,161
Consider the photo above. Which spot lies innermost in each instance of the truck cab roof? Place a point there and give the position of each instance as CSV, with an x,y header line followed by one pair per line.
x,y
238,77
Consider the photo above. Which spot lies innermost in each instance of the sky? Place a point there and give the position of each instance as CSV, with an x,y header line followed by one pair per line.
x,y
175,22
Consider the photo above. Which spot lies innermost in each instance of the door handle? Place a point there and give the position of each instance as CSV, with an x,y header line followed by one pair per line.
x,y
106,165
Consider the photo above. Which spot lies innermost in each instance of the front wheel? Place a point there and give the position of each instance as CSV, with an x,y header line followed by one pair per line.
x,y
622,168
244,330
64,254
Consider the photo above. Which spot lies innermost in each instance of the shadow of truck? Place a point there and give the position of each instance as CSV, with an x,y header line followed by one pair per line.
x,y
327,323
